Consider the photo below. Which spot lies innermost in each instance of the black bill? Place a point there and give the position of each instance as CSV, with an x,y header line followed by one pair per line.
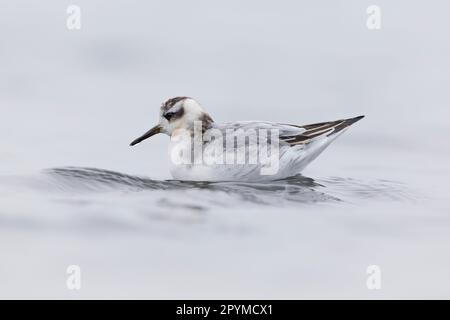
x,y
148,134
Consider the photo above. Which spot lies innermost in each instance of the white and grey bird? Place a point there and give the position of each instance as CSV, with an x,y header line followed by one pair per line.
x,y
297,145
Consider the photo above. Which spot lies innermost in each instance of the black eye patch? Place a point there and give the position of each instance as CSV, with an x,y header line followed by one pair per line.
x,y
174,115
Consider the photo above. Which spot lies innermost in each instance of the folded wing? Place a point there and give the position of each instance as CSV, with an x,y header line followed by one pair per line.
x,y
312,131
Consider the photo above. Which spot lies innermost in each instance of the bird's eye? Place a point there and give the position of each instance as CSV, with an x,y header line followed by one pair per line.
x,y
169,115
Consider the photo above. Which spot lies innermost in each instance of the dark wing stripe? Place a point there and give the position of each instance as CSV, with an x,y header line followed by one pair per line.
x,y
303,139
318,129
306,134
346,123
322,127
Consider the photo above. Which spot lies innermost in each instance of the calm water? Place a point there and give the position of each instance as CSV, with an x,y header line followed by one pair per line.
x,y
72,192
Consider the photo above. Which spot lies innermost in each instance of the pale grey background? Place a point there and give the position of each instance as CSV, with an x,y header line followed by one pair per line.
x,y
77,98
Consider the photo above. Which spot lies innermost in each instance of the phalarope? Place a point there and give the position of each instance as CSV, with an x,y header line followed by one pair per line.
x,y
292,147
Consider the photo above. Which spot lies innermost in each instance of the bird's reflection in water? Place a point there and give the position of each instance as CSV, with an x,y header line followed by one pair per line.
x,y
297,189
294,189
90,198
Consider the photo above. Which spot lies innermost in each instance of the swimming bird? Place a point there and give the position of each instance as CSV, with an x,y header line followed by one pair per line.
x,y
204,150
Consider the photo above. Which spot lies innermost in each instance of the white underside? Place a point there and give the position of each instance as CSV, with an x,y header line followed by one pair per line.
x,y
291,161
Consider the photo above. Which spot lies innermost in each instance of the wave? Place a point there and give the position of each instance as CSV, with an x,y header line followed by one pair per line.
x,y
91,199
294,189
298,188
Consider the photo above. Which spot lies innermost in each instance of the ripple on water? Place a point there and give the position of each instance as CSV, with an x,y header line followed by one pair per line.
x,y
297,189
91,199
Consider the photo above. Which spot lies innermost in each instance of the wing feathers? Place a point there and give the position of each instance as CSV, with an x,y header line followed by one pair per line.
x,y
319,129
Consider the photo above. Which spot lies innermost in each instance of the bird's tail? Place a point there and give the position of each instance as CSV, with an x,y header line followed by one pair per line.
x,y
325,133
343,124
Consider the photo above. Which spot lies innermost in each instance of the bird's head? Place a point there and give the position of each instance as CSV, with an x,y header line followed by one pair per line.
x,y
177,113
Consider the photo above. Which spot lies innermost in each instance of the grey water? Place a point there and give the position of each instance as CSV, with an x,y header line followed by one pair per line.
x,y
72,192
